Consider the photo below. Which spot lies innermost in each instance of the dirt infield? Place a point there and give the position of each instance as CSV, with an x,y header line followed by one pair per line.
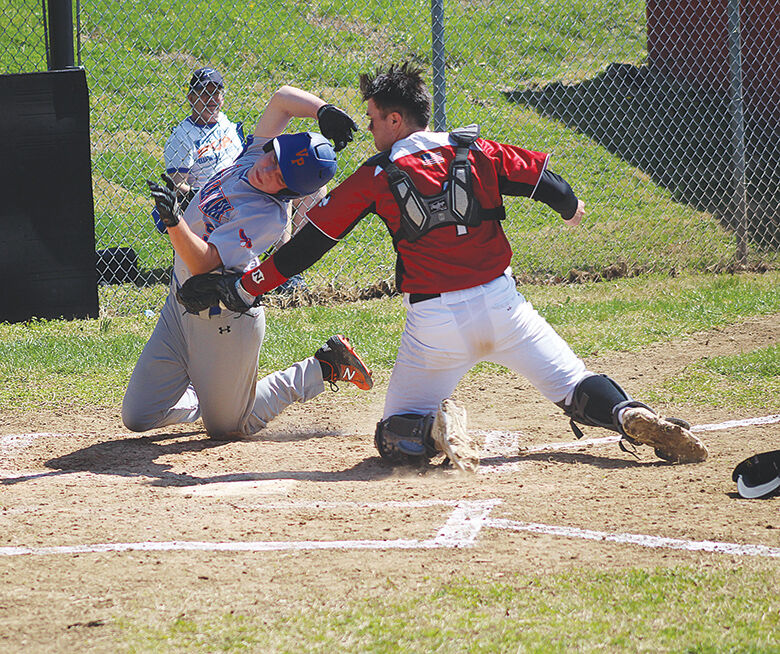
x,y
99,524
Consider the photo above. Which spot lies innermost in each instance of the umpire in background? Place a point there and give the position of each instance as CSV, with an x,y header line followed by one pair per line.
x,y
206,141
440,195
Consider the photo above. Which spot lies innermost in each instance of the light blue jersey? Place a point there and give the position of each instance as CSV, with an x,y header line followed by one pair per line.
x,y
205,365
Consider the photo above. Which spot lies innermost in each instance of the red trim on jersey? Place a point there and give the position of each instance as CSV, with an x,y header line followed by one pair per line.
x,y
446,258
263,278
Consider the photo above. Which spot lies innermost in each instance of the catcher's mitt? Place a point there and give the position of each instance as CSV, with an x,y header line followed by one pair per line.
x,y
451,437
200,292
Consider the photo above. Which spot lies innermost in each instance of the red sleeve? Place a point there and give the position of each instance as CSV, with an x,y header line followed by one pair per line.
x,y
263,278
513,163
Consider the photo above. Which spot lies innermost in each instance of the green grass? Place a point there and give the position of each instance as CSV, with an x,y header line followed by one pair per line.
x,y
631,313
57,364
665,610
22,41
741,380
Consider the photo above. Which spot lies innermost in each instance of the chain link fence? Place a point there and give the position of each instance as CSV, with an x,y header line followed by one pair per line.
x,y
662,114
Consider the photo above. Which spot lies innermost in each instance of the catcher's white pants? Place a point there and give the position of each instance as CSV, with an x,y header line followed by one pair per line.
x,y
446,336
197,366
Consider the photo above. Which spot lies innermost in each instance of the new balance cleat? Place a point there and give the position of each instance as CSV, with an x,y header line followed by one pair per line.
x,y
340,362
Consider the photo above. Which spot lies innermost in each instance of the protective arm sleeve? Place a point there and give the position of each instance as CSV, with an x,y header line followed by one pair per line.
x,y
295,256
551,189
556,193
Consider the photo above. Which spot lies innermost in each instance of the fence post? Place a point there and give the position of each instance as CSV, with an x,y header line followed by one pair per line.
x,y
437,42
738,203
60,34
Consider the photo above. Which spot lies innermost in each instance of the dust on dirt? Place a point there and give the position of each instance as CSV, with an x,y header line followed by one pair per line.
x,y
313,478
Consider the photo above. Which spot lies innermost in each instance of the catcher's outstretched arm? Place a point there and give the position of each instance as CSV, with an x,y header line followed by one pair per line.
x,y
295,256
551,189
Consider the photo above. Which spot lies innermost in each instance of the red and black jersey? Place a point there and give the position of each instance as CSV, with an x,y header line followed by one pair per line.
x,y
447,258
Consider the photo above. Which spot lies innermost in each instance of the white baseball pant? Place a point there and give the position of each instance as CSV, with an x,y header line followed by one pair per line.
x,y
446,336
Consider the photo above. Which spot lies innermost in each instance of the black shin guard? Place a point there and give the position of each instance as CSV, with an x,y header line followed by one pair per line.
x,y
596,402
405,438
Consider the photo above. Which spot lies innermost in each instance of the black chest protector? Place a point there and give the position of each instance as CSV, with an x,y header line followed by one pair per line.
x,y
455,205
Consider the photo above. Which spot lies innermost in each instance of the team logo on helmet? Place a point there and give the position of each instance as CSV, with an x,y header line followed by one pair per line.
x,y
307,161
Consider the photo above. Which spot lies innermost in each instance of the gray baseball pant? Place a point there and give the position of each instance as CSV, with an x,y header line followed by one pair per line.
x,y
206,367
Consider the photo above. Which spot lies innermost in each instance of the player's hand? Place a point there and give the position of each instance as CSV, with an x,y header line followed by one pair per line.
x,y
336,125
165,201
579,214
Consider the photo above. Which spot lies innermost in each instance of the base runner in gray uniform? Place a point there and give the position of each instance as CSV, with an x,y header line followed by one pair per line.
x,y
205,365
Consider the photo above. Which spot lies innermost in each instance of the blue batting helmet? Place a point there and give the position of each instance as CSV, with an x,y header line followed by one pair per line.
x,y
307,161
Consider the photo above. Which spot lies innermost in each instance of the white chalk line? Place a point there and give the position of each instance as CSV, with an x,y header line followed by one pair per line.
x,y
12,442
637,539
497,445
730,424
501,444
460,530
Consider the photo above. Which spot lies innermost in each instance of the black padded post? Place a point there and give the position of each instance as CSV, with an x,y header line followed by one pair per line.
x,y
47,240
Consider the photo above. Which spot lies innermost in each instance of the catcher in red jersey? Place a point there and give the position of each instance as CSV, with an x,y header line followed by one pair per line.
x,y
441,196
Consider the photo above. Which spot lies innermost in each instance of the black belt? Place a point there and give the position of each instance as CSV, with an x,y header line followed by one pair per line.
x,y
414,298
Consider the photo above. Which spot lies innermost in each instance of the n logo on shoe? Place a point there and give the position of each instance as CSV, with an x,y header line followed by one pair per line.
x,y
349,374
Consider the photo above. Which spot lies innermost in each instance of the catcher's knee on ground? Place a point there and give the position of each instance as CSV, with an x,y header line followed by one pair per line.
x,y
405,438
408,437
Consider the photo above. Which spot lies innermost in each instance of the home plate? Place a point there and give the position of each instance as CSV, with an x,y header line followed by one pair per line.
x,y
262,487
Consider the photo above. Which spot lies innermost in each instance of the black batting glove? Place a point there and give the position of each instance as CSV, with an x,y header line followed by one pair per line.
x,y
336,125
165,201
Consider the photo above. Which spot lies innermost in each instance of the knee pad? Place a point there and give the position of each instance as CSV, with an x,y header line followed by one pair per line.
x,y
405,437
596,402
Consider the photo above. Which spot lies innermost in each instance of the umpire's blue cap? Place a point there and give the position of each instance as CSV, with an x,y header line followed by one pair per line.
x,y
307,161
203,76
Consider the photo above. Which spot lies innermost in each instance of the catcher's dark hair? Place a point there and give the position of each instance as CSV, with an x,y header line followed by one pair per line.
x,y
399,88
